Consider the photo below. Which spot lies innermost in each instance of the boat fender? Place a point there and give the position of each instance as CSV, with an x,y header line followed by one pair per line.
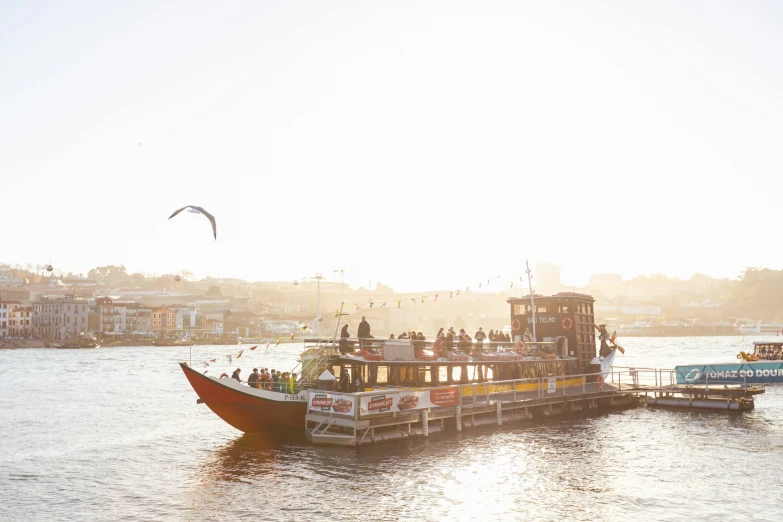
x,y
516,325
567,323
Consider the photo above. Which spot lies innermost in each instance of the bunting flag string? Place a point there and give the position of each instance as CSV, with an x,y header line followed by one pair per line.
x,y
414,300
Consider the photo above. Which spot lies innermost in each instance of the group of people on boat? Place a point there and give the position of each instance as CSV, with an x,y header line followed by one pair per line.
x,y
770,354
264,379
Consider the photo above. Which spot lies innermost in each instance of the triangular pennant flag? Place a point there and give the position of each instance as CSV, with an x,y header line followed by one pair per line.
x,y
436,297
479,286
267,346
253,348
304,328
371,303
337,313
277,341
422,299
230,358
468,288
398,302
384,304
357,308
213,360
240,354
205,364
292,336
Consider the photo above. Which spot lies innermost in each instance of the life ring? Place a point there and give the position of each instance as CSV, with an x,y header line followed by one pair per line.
x,y
567,323
437,346
520,347
516,325
599,381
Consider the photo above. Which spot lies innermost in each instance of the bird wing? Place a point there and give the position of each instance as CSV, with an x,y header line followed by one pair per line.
x,y
178,211
211,219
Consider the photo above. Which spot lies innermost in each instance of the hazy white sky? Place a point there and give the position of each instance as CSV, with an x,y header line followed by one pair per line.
x,y
425,144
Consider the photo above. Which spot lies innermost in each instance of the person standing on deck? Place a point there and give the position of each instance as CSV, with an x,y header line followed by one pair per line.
x,y
274,380
479,337
449,342
344,336
364,331
252,381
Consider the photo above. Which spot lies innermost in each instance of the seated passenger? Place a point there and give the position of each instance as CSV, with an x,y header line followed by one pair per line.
x,y
235,375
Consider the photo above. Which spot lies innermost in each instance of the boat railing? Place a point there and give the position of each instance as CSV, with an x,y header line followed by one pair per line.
x,y
630,378
466,394
350,344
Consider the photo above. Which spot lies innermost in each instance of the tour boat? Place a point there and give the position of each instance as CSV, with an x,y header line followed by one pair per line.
x,y
74,344
566,346
763,366
761,329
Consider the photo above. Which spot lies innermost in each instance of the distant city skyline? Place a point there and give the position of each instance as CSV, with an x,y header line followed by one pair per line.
x,y
495,283
425,145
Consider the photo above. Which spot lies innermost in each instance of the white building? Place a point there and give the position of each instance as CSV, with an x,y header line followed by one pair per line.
x,y
8,277
59,318
5,317
21,322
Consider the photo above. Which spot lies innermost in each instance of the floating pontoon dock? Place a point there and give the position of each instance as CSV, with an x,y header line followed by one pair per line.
x,y
353,419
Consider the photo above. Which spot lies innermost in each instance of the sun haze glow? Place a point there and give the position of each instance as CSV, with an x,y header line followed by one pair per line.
x,y
425,145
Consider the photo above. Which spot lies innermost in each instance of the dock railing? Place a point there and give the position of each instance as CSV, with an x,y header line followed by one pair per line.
x,y
659,379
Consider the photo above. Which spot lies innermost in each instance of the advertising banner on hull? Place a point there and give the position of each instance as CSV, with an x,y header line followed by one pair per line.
x,y
406,400
751,373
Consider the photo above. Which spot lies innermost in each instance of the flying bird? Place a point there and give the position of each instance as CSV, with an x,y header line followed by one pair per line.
x,y
198,210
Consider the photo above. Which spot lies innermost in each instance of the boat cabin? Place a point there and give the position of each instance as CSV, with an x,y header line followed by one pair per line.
x,y
768,351
566,315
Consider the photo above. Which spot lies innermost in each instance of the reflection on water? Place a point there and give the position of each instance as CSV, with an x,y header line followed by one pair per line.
x,y
122,437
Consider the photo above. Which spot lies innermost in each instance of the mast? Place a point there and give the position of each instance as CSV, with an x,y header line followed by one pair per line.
x,y
318,278
532,301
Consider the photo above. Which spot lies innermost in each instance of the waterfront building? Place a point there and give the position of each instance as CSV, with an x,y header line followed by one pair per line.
x,y
5,316
59,318
20,321
163,320
14,293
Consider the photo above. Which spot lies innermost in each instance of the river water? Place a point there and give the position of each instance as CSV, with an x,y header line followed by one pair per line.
x,y
116,433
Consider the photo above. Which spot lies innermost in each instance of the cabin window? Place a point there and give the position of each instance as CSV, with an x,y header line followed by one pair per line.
x,y
542,309
565,309
521,309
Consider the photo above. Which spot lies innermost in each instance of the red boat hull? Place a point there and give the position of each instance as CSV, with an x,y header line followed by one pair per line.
x,y
243,410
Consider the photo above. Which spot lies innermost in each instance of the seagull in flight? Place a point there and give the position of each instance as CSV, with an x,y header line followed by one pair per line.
x,y
198,210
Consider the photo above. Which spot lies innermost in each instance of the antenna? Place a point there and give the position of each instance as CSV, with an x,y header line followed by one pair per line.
x,y
532,301
318,277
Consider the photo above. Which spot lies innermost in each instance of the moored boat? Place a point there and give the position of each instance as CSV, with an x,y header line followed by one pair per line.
x,y
378,365
763,366
75,344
